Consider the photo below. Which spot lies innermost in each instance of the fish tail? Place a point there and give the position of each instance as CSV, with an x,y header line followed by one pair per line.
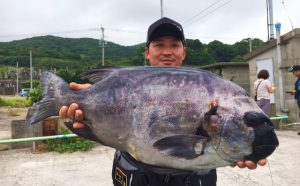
x,y
48,106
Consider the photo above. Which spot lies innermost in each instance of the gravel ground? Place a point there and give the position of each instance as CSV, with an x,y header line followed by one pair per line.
x,y
24,168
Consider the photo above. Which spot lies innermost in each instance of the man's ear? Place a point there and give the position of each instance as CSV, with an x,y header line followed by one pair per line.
x,y
146,53
184,53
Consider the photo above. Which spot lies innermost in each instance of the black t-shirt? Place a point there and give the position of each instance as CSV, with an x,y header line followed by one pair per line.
x,y
136,173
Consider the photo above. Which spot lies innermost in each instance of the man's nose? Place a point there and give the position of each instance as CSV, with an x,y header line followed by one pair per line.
x,y
265,141
167,51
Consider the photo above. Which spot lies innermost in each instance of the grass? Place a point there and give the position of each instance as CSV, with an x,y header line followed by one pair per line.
x,y
15,102
13,111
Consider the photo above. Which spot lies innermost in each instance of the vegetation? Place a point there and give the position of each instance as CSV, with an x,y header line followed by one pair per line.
x,y
70,144
79,54
16,102
35,94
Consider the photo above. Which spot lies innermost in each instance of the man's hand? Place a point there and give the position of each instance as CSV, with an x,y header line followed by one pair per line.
x,y
293,92
250,164
73,112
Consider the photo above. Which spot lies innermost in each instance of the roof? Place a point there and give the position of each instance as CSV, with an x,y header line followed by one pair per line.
x,y
223,64
273,43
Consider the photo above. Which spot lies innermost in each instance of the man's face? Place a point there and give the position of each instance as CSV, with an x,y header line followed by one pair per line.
x,y
165,51
296,73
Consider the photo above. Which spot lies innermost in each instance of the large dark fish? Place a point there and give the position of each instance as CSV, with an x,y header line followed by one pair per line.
x,y
162,116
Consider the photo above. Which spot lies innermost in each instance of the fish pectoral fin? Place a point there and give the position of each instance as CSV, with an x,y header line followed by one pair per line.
x,y
84,132
182,146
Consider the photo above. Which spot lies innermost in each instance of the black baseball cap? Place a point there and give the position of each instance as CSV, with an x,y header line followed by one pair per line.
x,y
164,27
294,68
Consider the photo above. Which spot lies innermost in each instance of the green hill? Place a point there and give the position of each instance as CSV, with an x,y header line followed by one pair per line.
x,y
58,52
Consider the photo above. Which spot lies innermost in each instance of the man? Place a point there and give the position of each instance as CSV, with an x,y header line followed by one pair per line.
x,y
165,46
296,92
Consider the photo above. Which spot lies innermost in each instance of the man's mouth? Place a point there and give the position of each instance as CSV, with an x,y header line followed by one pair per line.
x,y
167,61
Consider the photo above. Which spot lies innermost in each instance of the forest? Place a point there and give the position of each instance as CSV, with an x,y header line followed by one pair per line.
x,y
69,53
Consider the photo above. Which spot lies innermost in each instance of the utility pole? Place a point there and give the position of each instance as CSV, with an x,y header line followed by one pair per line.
x,y
17,77
161,9
250,44
102,45
31,87
270,19
283,107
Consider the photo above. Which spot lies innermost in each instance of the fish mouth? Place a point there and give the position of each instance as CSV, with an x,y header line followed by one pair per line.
x,y
247,136
265,140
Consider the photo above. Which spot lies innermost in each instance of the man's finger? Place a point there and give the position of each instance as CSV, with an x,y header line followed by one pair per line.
x,y
78,115
250,164
63,111
241,164
262,162
71,111
78,125
76,86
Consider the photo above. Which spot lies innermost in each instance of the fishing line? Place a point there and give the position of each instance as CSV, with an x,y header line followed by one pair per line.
x,y
221,132
270,173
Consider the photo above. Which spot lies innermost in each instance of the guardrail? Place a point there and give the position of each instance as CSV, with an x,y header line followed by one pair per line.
x,y
65,136
40,138
281,118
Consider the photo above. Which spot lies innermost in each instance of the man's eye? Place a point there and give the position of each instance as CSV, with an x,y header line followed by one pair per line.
x,y
159,45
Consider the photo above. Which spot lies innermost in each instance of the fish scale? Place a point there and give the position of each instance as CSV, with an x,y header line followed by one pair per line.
x,y
163,116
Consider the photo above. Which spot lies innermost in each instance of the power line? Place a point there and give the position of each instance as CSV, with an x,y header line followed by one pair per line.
x,y
286,11
210,12
45,33
188,20
69,32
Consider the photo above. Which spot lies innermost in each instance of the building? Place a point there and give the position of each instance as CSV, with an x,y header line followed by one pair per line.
x,y
277,59
237,72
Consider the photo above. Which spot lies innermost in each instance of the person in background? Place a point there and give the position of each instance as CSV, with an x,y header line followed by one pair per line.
x,y
296,92
165,46
263,89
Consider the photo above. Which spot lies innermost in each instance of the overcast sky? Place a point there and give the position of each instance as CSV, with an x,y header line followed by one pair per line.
x,y
126,21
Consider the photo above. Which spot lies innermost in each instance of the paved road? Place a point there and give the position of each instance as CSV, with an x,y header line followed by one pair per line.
x,y
24,168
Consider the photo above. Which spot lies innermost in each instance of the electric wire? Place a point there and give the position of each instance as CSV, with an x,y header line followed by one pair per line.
x,y
286,11
208,13
188,20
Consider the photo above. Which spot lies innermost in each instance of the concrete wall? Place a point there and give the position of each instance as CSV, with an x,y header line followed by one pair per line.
x,y
237,72
20,130
290,47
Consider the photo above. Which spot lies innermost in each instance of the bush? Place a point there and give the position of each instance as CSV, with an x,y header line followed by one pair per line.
x,y
69,144
36,94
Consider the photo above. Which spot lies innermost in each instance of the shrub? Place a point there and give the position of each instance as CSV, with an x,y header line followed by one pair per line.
x,y
69,144
36,94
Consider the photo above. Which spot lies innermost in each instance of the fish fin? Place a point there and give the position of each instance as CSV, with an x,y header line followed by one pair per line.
x,y
85,132
47,106
182,146
97,74
40,111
